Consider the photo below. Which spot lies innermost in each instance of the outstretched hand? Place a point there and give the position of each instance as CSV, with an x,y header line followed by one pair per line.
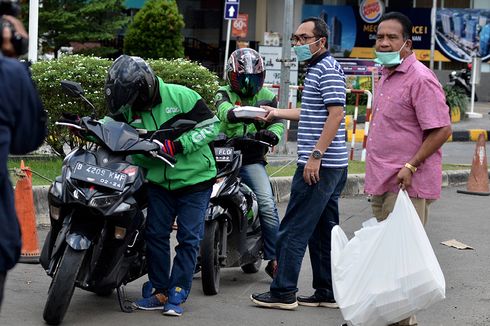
x,y
270,114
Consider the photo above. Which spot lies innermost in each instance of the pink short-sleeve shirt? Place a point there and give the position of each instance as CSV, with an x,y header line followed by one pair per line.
x,y
407,103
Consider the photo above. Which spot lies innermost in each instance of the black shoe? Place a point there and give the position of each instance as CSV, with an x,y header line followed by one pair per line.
x,y
269,301
317,301
271,268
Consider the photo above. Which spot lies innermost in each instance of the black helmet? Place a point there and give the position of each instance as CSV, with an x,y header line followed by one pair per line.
x,y
131,83
245,72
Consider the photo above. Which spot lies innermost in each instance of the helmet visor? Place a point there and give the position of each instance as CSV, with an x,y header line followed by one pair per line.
x,y
250,84
118,99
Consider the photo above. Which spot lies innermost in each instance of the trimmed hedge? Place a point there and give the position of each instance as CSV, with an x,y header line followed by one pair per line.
x,y
91,72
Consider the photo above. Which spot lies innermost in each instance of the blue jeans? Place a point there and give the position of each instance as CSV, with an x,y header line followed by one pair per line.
x,y
310,216
255,176
163,207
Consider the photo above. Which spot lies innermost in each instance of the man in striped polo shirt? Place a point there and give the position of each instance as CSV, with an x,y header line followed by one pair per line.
x,y
320,176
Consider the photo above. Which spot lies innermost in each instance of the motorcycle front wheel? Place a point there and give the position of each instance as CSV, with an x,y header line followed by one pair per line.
x,y
63,286
210,266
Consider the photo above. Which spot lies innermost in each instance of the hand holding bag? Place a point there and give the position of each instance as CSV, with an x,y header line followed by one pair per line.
x,y
388,270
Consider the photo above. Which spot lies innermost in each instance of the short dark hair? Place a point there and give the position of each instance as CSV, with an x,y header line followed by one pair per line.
x,y
320,29
402,19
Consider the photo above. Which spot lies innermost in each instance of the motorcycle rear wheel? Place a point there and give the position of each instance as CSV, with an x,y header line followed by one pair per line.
x,y
210,266
63,286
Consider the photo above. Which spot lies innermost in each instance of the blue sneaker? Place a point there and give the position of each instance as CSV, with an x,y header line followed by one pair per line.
x,y
173,310
147,289
154,302
176,296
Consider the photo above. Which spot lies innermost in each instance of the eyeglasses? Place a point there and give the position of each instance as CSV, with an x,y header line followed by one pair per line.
x,y
301,38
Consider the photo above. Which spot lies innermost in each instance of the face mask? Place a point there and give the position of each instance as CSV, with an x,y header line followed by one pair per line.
x,y
389,59
303,52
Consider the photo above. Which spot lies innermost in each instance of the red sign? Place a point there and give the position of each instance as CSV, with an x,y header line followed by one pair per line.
x,y
240,26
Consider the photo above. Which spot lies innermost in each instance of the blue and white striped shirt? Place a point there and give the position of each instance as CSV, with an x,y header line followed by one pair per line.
x,y
324,86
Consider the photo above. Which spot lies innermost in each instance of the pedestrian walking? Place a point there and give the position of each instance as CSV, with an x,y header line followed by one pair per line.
x,y
409,125
319,178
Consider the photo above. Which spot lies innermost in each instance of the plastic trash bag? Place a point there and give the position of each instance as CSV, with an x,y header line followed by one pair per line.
x,y
387,271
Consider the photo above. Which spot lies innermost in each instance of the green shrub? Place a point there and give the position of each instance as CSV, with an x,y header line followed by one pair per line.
x,y
456,98
190,74
88,71
156,31
91,72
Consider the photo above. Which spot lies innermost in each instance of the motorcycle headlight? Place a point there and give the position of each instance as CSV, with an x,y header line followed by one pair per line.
x,y
56,189
122,208
54,212
103,201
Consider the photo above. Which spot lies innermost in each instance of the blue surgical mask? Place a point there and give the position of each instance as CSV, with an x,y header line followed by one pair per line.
x,y
389,59
303,52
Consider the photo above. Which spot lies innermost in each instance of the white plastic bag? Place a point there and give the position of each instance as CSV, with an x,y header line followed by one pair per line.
x,y
387,271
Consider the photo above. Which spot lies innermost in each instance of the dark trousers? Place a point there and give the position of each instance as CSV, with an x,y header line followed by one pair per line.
x,y
310,216
163,208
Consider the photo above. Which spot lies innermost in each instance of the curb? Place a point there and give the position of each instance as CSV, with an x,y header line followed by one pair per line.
x,y
280,185
468,135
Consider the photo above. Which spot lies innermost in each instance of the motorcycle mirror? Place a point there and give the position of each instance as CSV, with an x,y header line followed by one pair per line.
x,y
72,88
75,89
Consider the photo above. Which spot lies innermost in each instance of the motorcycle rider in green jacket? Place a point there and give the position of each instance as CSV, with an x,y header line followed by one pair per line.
x,y
135,95
245,77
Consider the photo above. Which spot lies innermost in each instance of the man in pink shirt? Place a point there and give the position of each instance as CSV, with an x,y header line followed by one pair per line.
x,y
410,123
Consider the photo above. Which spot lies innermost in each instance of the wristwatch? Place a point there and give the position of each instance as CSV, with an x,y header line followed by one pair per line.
x,y
316,154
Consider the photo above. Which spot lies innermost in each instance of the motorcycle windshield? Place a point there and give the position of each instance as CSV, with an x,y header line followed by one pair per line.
x,y
117,136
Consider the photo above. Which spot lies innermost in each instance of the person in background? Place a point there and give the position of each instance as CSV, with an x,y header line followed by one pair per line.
x,y
319,178
245,78
134,94
409,125
22,130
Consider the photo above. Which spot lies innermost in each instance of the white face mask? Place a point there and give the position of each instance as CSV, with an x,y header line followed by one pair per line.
x,y
389,59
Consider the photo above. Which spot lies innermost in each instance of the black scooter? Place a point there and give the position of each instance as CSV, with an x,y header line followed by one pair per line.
x,y
232,232
461,80
97,211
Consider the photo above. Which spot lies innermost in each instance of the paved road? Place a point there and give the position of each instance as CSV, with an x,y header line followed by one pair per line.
x,y
452,153
458,216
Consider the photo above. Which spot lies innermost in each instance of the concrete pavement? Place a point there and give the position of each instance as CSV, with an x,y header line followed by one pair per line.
x,y
454,216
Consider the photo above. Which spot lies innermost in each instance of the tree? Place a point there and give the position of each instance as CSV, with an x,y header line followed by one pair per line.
x,y
156,31
62,21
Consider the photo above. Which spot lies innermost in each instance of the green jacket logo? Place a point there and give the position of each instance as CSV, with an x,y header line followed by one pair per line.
x,y
171,110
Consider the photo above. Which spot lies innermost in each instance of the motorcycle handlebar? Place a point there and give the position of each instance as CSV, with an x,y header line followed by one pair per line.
x,y
69,123
157,152
246,139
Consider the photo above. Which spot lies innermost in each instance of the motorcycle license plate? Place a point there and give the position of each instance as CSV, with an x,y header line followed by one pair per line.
x,y
100,176
223,154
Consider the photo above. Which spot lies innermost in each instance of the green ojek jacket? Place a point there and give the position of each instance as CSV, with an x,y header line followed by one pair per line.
x,y
226,99
195,169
